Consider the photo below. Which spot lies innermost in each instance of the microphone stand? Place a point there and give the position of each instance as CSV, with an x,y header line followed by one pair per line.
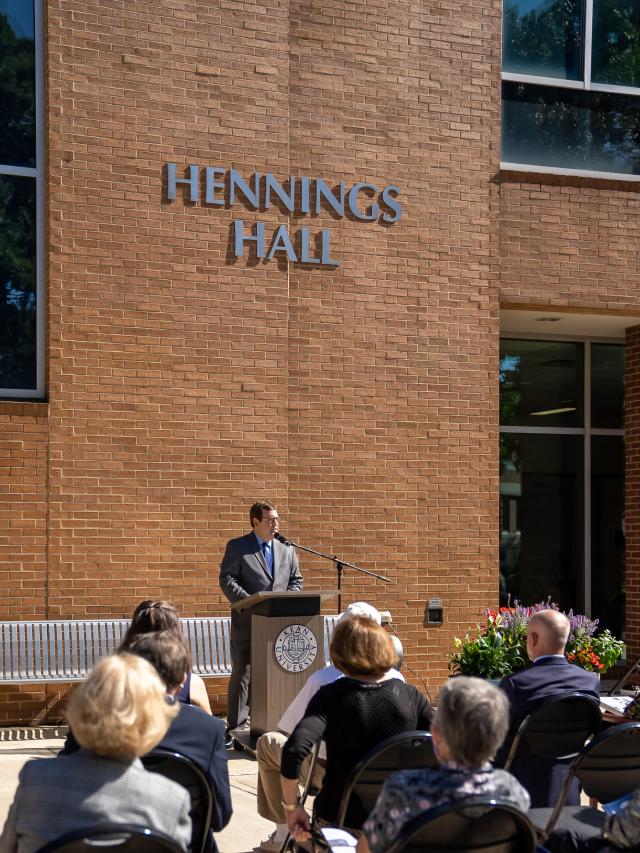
x,y
341,565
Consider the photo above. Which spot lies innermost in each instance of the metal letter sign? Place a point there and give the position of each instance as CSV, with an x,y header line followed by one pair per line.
x,y
363,202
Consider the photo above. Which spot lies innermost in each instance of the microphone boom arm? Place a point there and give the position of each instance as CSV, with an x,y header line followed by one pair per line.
x,y
341,565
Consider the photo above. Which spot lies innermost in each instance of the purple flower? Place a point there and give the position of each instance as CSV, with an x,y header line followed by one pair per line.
x,y
513,617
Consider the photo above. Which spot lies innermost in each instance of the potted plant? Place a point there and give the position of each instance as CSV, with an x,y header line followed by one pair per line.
x,y
499,647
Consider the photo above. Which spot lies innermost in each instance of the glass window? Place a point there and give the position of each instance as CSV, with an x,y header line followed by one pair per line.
x,y
616,42
17,84
607,386
607,532
584,123
17,282
551,539
545,126
543,38
541,383
541,518
20,321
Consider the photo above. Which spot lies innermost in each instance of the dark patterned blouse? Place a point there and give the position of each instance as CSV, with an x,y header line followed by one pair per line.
x,y
623,828
411,792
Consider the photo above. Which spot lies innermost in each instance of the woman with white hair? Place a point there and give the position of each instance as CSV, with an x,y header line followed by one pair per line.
x,y
118,714
469,725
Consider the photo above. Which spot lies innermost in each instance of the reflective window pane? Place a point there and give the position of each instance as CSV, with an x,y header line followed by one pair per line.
x,y
607,532
541,383
17,282
17,84
541,518
543,38
607,386
615,55
545,126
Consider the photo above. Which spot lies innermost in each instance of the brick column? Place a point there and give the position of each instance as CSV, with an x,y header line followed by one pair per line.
x,y
632,487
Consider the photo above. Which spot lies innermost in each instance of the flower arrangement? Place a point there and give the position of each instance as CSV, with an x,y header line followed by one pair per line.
x,y
499,647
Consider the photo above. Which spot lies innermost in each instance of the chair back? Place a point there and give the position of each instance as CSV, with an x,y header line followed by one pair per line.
x,y
406,751
626,675
558,728
113,838
468,825
184,771
607,768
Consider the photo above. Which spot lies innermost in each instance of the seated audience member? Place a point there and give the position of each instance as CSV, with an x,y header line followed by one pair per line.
x,y
194,734
270,745
152,616
352,715
551,675
119,713
470,723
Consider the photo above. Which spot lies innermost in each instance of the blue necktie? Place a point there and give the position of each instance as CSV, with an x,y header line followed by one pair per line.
x,y
268,557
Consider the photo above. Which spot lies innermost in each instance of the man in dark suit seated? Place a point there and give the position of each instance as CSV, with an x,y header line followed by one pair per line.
x,y
193,733
550,676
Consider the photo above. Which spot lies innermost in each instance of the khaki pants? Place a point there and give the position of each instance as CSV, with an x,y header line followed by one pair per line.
x,y
269,755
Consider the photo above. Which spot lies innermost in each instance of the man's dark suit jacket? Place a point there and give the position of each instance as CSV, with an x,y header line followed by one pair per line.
x,y
200,737
243,571
527,689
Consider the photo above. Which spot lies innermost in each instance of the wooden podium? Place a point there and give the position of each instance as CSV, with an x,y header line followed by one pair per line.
x,y
287,645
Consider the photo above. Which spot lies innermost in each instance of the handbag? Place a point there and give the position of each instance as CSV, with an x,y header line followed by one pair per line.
x,y
632,711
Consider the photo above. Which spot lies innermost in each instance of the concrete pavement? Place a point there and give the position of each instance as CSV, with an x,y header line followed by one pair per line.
x,y
244,833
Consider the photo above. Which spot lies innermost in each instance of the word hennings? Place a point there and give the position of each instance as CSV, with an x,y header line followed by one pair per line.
x,y
363,201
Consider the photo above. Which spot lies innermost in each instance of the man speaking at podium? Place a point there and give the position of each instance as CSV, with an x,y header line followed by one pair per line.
x,y
252,563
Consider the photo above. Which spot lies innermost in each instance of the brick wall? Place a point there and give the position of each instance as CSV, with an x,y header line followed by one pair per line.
x,y
569,243
572,243
392,403
183,383
23,509
23,541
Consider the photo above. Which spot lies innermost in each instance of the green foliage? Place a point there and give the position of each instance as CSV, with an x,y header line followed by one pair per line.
x,y
17,97
490,652
544,40
616,43
597,653
499,647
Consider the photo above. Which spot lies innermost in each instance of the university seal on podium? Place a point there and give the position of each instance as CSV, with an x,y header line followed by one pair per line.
x,y
295,648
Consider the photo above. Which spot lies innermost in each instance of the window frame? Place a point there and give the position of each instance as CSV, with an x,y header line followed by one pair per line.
x,y
586,431
37,173
585,85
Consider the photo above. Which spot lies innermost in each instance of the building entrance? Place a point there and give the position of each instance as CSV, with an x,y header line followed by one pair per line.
x,y
562,475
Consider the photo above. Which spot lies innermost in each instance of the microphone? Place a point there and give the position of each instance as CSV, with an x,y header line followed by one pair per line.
x,y
282,539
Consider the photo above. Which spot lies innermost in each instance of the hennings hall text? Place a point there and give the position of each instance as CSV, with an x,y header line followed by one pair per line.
x,y
304,196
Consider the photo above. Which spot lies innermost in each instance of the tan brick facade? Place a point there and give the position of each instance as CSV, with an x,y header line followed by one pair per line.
x,y
183,383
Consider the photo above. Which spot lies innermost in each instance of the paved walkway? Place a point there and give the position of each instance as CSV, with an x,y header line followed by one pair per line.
x,y
245,831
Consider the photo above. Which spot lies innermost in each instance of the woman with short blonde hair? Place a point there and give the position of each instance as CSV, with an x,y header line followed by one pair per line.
x,y
119,713
121,709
